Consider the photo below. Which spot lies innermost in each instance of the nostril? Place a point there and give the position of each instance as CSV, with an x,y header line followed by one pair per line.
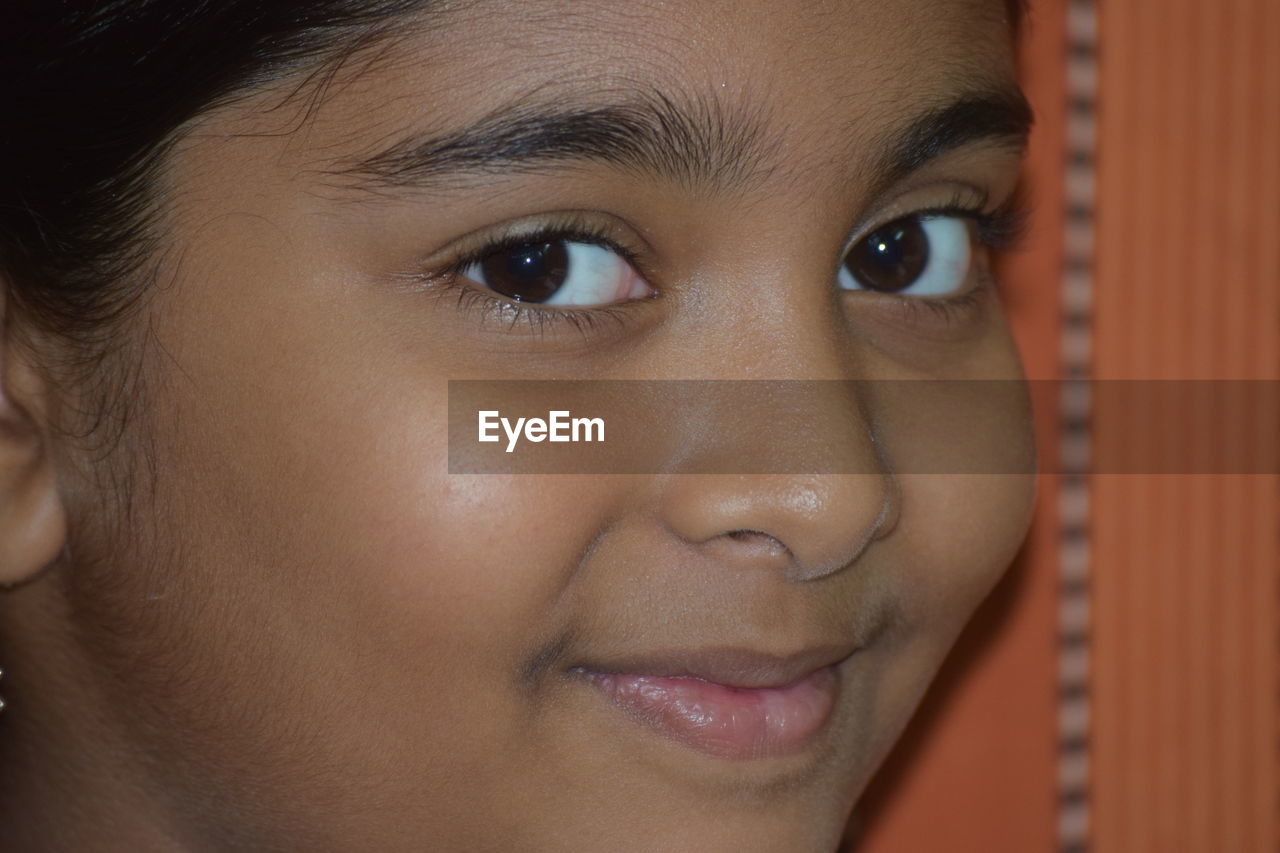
x,y
760,540
804,526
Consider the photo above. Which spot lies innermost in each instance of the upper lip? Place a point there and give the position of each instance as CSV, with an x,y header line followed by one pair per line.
x,y
728,666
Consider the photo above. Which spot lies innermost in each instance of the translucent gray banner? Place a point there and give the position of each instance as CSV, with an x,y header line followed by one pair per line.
x,y
861,426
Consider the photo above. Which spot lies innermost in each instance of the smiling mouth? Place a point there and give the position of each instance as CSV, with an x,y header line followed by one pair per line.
x,y
727,703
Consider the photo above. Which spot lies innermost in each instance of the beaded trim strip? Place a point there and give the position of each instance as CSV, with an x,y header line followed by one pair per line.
x,y
1073,491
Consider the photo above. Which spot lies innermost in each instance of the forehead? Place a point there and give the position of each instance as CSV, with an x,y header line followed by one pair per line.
x,y
822,75
722,35
715,39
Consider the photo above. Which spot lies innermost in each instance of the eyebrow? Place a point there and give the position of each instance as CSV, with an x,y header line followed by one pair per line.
x,y
694,144
998,118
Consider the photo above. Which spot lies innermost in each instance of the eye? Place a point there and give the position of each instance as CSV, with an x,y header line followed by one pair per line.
x,y
916,256
558,272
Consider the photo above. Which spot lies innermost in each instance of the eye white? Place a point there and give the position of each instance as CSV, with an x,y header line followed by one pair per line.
x,y
947,269
596,276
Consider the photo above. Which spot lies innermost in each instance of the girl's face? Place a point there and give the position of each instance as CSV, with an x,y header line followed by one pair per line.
x,y
320,636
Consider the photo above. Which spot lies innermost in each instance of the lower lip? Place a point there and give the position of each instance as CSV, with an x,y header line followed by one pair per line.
x,y
726,722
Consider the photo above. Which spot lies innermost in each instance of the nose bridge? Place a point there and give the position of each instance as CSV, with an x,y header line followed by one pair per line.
x,y
769,320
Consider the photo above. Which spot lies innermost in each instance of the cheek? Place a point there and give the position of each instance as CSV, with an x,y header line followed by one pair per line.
x,y
956,537
354,523
961,532
304,545
965,455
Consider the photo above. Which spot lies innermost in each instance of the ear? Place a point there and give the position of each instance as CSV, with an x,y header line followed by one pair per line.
x,y
33,524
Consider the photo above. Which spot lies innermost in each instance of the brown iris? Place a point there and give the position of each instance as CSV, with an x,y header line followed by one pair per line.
x,y
531,272
892,257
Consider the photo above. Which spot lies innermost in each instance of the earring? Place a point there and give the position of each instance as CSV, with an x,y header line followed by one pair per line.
x,y
1,697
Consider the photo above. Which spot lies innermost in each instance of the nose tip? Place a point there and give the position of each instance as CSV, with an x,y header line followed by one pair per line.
x,y
824,490
807,527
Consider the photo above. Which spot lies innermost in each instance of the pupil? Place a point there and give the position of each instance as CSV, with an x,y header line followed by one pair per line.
x,y
529,273
891,258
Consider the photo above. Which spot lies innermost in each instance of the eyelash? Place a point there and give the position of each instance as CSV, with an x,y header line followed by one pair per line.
x,y
494,309
998,230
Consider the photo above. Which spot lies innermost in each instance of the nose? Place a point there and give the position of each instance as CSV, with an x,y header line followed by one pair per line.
x,y
785,472
793,482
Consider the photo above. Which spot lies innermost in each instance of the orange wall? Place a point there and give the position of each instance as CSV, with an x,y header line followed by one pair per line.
x,y
1184,643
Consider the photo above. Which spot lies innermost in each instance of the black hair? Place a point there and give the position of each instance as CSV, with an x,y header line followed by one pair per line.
x,y
94,92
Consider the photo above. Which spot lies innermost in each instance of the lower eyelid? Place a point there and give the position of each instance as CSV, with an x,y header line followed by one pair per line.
x,y
958,306
495,313
954,311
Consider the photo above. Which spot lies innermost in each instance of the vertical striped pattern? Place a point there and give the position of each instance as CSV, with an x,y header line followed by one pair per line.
x,y
1185,569
1073,484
